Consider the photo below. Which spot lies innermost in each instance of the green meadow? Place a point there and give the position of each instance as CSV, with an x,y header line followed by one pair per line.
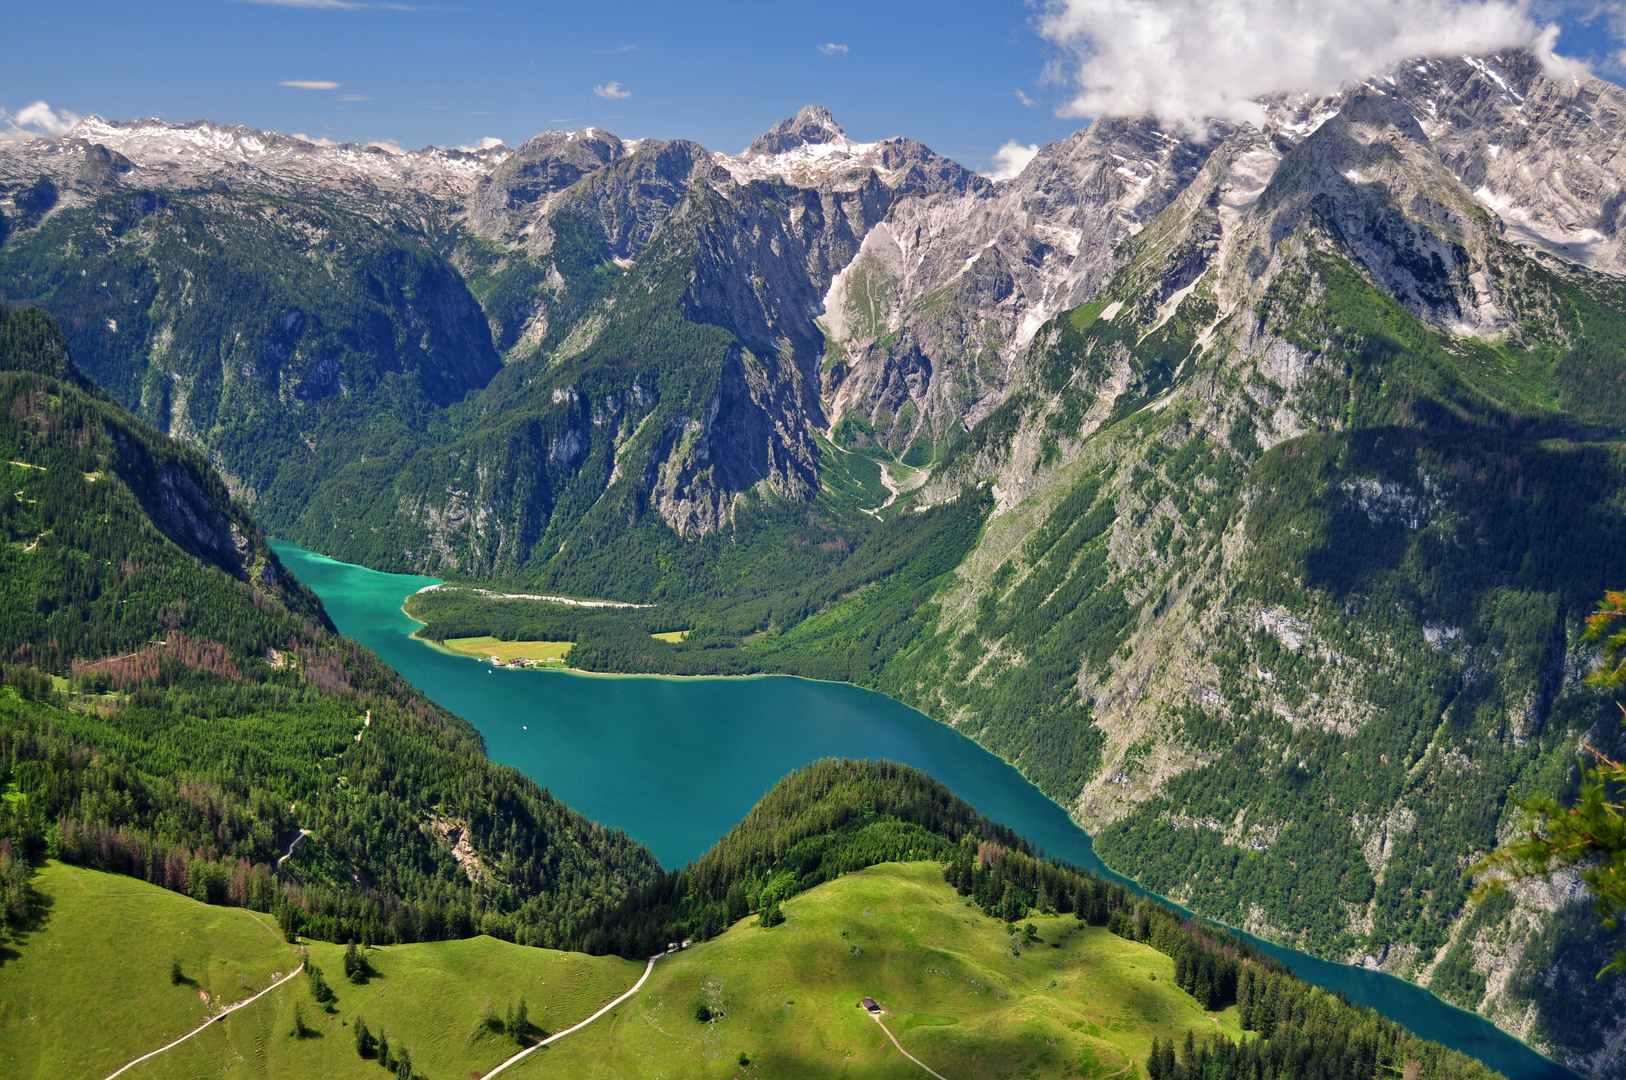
x,y
963,994
90,989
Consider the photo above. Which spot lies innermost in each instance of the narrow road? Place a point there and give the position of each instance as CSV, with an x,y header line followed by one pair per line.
x,y
584,1023
285,855
227,1011
905,1053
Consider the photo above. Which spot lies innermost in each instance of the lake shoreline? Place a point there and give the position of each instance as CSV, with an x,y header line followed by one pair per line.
x,y
679,759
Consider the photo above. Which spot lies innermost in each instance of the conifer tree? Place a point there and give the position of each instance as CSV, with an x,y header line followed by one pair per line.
x,y
320,990
1589,835
403,1065
365,1044
522,1021
1009,906
1154,1060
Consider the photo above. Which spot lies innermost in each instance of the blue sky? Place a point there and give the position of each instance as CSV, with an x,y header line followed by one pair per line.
x,y
961,77
718,73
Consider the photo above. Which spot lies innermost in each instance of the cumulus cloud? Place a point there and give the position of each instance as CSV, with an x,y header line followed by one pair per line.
x,y
1011,159
612,91
1187,61
309,84
832,49
32,121
487,143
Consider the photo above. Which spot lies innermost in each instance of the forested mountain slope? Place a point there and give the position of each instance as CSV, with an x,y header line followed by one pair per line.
x,y
1297,524
178,708
1245,491
1290,533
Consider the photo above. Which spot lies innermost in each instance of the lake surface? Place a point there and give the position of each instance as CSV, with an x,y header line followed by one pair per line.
x,y
678,762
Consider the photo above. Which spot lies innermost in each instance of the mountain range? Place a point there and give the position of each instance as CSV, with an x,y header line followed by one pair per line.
x,y
1246,488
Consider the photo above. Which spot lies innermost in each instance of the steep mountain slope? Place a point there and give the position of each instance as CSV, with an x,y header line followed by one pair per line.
x,y
1296,524
1297,448
204,713
284,338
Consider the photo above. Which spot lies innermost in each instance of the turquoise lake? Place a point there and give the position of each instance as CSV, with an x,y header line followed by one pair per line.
x,y
676,763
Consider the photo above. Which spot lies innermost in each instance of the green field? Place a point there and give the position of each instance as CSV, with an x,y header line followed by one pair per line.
x,y
90,990
961,995
509,651
671,636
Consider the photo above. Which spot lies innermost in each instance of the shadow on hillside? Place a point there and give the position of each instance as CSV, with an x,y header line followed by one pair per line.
x,y
36,913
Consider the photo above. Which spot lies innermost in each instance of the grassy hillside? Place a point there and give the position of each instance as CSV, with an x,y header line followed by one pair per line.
x,y
964,994
89,989
428,997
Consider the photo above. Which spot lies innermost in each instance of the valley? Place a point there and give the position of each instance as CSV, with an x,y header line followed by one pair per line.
x,y
1238,496
676,762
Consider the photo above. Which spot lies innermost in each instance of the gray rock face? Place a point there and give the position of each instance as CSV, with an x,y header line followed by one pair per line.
x,y
949,289
1371,175
813,124
201,155
884,283
1543,152
630,199
542,166
200,522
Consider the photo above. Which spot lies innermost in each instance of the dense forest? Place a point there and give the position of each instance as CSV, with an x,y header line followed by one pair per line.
x,y
177,707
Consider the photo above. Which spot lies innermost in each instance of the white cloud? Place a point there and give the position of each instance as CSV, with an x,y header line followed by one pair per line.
x,y
1011,159
486,143
352,97
612,91
1024,99
32,121
1187,61
832,49
309,84
42,116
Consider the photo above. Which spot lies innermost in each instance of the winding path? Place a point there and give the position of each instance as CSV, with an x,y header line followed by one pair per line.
x,y
877,1018
589,1020
286,855
227,1011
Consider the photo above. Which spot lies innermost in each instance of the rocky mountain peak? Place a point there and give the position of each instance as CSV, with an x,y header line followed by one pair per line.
x,y
812,125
